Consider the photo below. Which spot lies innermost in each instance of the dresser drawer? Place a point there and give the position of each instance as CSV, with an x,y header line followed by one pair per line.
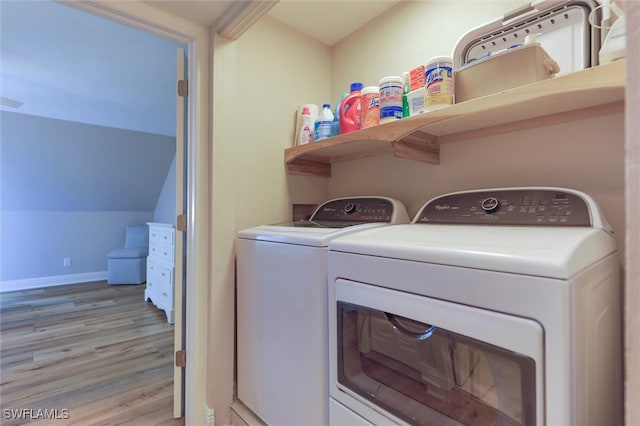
x,y
164,298
161,292
162,252
160,235
160,274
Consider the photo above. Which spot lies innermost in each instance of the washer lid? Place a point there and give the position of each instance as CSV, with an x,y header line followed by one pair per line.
x,y
555,252
315,237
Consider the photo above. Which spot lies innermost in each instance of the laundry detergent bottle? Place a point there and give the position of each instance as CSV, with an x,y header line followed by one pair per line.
x,y
306,130
350,110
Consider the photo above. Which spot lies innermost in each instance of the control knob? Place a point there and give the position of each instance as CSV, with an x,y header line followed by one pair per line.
x,y
350,208
490,205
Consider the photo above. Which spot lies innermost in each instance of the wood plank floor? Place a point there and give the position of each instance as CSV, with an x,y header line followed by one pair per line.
x,y
89,354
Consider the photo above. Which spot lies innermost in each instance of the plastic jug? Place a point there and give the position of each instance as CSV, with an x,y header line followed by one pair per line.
x,y
350,110
335,126
306,130
324,122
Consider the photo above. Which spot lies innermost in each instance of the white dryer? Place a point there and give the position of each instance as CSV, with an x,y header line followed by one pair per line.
x,y
493,307
282,352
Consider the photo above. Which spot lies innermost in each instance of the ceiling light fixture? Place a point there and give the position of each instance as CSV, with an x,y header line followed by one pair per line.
x,y
10,102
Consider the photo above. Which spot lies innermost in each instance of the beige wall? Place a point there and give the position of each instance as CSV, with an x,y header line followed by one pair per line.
x,y
632,291
406,36
220,298
277,70
258,83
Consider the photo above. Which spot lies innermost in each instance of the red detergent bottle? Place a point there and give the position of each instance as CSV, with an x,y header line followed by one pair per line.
x,y
350,110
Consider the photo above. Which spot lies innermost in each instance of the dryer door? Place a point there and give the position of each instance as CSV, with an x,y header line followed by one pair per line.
x,y
425,361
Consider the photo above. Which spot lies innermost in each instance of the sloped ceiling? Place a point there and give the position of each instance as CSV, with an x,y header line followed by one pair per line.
x,y
90,124
57,165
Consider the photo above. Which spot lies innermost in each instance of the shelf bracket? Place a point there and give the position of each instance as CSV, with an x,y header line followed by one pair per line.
x,y
310,165
419,146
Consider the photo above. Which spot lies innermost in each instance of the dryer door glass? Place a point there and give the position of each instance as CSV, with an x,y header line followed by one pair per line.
x,y
427,375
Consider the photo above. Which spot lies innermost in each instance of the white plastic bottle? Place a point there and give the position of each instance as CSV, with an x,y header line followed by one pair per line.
x,y
324,122
391,89
306,128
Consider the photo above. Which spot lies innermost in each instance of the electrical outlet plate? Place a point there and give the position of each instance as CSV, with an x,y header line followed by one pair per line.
x,y
66,262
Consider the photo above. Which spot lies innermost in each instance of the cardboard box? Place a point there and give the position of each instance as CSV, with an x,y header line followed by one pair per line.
x,y
502,71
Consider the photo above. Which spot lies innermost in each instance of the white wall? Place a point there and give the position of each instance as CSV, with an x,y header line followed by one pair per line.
x,y
34,243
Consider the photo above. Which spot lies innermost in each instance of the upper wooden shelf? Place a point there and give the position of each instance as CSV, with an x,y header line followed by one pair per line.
x,y
579,95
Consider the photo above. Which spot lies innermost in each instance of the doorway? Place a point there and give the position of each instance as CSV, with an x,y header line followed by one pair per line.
x,y
116,18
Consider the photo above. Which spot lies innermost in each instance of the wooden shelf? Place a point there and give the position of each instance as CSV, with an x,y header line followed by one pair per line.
x,y
588,93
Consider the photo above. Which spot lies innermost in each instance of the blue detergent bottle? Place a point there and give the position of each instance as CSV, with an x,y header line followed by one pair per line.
x,y
335,125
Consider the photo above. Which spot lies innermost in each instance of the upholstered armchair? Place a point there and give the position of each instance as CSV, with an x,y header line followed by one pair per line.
x,y
128,265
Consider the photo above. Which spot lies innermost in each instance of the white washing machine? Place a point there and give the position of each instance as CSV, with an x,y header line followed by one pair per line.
x,y
493,307
282,352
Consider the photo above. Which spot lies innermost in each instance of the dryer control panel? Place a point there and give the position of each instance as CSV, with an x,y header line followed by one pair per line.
x,y
544,207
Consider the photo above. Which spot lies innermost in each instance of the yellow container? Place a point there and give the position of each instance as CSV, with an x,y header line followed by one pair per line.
x,y
439,88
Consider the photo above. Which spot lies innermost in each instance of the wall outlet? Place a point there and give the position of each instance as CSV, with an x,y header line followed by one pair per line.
x,y
66,262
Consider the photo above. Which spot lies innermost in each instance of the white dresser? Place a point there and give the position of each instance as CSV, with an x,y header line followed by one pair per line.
x,y
160,265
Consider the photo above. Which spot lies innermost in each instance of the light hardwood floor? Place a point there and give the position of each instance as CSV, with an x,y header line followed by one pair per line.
x,y
88,353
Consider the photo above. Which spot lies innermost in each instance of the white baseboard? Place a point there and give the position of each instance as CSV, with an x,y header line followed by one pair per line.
x,y
55,280
209,416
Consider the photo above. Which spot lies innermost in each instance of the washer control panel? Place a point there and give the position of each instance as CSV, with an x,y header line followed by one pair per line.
x,y
361,210
545,207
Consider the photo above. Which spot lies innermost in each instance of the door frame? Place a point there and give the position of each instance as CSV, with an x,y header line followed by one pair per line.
x,y
197,40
